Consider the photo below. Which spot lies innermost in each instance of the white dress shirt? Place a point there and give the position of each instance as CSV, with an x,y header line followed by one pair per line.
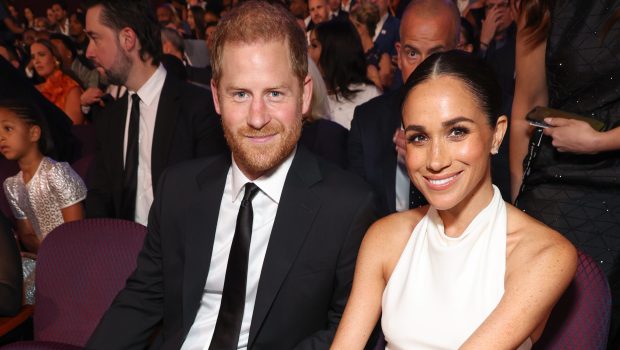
x,y
265,206
149,95
379,27
403,184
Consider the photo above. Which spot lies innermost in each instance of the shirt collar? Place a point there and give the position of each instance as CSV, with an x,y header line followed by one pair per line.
x,y
380,25
149,90
271,183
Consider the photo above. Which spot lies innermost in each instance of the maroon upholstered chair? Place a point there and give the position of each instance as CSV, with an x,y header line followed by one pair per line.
x,y
81,266
7,168
580,319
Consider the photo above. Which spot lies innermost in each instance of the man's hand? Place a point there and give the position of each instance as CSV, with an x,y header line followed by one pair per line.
x,y
489,26
570,135
401,145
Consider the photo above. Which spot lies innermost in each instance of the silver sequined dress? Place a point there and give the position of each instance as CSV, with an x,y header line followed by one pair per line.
x,y
53,187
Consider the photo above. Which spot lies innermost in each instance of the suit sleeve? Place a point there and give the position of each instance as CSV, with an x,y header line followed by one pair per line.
x,y
98,203
364,216
355,149
208,134
138,308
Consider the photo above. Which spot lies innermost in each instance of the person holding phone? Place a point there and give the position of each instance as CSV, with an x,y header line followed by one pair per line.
x,y
567,59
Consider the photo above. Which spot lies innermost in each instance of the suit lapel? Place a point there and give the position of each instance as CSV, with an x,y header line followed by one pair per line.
x,y
389,162
165,126
203,215
296,213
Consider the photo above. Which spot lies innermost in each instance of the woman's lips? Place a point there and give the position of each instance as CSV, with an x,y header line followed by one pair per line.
x,y
439,183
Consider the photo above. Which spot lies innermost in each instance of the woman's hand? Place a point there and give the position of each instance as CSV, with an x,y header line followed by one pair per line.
x,y
571,135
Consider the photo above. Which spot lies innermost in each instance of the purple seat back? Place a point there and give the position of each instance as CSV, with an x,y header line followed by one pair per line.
x,y
580,319
7,168
81,266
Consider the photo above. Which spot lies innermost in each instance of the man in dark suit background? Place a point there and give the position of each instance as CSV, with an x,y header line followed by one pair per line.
x,y
257,250
160,122
376,140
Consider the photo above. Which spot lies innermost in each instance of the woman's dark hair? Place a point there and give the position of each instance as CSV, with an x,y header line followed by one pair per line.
x,y
32,115
137,15
199,19
537,16
470,69
342,57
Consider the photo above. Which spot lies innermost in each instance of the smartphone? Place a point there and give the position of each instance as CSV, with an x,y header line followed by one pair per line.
x,y
536,117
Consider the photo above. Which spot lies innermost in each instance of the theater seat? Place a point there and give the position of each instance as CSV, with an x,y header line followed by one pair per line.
x,y
81,266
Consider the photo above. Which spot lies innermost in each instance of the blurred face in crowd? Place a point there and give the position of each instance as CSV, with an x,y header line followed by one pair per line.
x,y
382,5
43,60
29,37
104,48
334,5
261,102
59,12
164,14
209,36
51,17
422,36
449,143
504,13
75,27
314,49
13,11
190,20
319,12
28,14
63,51
299,8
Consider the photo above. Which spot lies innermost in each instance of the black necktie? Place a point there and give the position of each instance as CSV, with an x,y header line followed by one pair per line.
x,y
130,173
228,325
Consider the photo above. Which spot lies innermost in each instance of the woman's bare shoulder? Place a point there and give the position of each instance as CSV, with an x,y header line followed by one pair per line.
x,y
531,243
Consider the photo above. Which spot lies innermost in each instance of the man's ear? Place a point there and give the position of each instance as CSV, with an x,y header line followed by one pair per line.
x,y
306,97
398,47
128,39
216,96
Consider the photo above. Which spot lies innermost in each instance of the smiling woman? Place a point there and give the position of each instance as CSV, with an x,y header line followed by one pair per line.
x,y
469,271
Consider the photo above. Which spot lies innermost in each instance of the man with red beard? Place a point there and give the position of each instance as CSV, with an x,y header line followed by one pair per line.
x,y
256,249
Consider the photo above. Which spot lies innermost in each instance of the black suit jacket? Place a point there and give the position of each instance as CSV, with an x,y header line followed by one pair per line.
x,y
186,127
306,275
372,153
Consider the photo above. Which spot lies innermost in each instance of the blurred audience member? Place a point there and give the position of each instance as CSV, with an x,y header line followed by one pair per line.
x,y
209,30
73,64
173,45
467,39
9,54
8,27
365,17
336,48
386,34
320,135
77,23
196,21
52,22
57,87
335,11
41,24
28,17
319,12
59,7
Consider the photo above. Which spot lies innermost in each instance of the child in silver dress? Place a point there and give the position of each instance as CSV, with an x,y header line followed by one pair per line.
x,y
45,193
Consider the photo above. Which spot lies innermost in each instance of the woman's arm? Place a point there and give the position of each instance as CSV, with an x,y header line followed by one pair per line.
x,y
72,106
27,236
530,91
73,212
364,305
536,276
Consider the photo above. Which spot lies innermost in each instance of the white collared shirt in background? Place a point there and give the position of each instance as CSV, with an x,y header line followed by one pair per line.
x,y
380,26
149,95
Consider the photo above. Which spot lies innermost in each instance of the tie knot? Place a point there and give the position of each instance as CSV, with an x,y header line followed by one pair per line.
x,y
250,191
135,98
